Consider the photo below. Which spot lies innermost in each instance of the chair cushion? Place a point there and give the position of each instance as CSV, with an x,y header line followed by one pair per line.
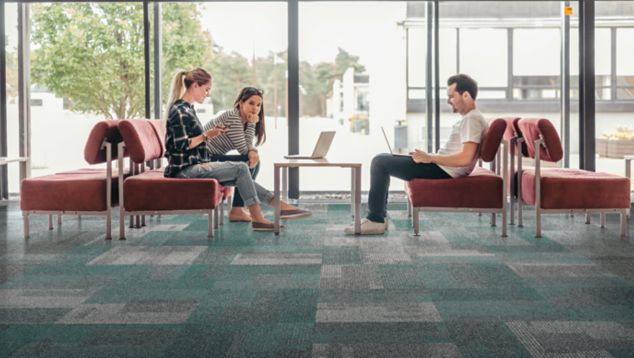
x,y
567,188
142,139
480,189
535,128
104,130
115,172
67,191
151,191
492,139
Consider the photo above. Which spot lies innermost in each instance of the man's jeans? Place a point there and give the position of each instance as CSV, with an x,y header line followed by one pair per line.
x,y
386,165
237,198
232,174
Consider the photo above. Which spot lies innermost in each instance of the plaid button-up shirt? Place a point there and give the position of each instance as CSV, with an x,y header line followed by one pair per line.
x,y
182,125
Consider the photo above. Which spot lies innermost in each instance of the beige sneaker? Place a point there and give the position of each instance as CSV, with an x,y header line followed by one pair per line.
x,y
367,228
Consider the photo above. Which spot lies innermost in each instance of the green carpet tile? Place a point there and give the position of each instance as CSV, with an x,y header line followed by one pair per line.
x,y
457,290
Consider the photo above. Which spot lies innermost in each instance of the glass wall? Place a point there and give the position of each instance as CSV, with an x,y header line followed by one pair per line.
x,y
87,65
615,84
241,44
13,125
512,50
359,71
352,80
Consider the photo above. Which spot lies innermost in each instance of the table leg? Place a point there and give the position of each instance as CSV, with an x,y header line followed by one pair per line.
x,y
353,192
276,198
285,183
357,201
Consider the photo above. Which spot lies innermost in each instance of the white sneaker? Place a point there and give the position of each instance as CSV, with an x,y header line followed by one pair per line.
x,y
367,228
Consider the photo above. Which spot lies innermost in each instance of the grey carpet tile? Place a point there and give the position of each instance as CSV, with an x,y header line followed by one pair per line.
x,y
457,289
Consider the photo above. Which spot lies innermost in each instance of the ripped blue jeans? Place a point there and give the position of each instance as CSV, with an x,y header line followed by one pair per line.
x,y
231,174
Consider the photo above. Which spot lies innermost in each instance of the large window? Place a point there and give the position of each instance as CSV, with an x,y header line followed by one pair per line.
x,y
241,44
362,67
87,65
352,81
13,125
615,84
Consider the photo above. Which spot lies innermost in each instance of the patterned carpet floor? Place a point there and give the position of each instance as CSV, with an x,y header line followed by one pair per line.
x,y
457,290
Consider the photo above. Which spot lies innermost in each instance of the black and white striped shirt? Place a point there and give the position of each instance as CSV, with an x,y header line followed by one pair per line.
x,y
237,136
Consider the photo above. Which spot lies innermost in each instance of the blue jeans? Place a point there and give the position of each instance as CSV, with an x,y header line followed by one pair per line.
x,y
237,197
231,174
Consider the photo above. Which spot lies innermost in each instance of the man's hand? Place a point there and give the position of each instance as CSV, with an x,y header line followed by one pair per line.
x,y
254,158
419,156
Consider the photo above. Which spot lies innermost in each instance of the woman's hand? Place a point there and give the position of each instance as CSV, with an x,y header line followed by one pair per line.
x,y
420,156
215,131
254,158
253,118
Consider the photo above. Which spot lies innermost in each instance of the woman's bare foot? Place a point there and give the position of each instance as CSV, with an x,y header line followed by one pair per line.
x,y
238,214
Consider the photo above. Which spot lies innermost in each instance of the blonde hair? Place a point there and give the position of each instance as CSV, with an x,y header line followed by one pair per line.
x,y
181,82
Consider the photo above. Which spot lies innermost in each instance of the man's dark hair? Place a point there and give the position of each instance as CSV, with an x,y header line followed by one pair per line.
x,y
464,83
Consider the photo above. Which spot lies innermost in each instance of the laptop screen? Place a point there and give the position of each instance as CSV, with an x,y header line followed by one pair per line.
x,y
387,141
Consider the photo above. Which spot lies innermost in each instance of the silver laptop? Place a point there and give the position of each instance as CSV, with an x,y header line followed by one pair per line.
x,y
321,147
387,141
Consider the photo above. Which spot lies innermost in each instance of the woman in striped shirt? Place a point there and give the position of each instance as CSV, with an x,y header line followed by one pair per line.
x,y
243,124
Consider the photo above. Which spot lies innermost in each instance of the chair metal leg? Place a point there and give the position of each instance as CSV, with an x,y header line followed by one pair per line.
x,y
25,219
602,220
538,223
59,221
216,219
624,226
122,224
504,223
109,226
512,204
210,224
50,221
493,219
587,218
222,213
415,221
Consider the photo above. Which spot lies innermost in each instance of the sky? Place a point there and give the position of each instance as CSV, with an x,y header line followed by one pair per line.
x,y
323,26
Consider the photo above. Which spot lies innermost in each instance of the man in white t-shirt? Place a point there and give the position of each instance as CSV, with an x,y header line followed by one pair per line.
x,y
455,159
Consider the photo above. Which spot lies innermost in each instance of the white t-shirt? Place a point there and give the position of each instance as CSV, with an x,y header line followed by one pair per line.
x,y
471,128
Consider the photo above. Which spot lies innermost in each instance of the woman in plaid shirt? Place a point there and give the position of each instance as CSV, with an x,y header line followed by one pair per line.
x,y
187,154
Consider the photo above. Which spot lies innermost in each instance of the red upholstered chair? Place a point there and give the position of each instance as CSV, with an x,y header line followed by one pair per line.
x,y
149,192
565,190
481,191
86,191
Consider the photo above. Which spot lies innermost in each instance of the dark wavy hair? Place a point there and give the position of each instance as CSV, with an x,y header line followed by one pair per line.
x,y
260,127
464,83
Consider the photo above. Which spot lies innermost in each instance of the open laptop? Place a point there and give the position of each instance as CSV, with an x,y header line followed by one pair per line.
x,y
321,147
387,141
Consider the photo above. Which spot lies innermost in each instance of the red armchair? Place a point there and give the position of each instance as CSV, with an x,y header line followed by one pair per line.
x,y
565,190
149,192
481,191
81,192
